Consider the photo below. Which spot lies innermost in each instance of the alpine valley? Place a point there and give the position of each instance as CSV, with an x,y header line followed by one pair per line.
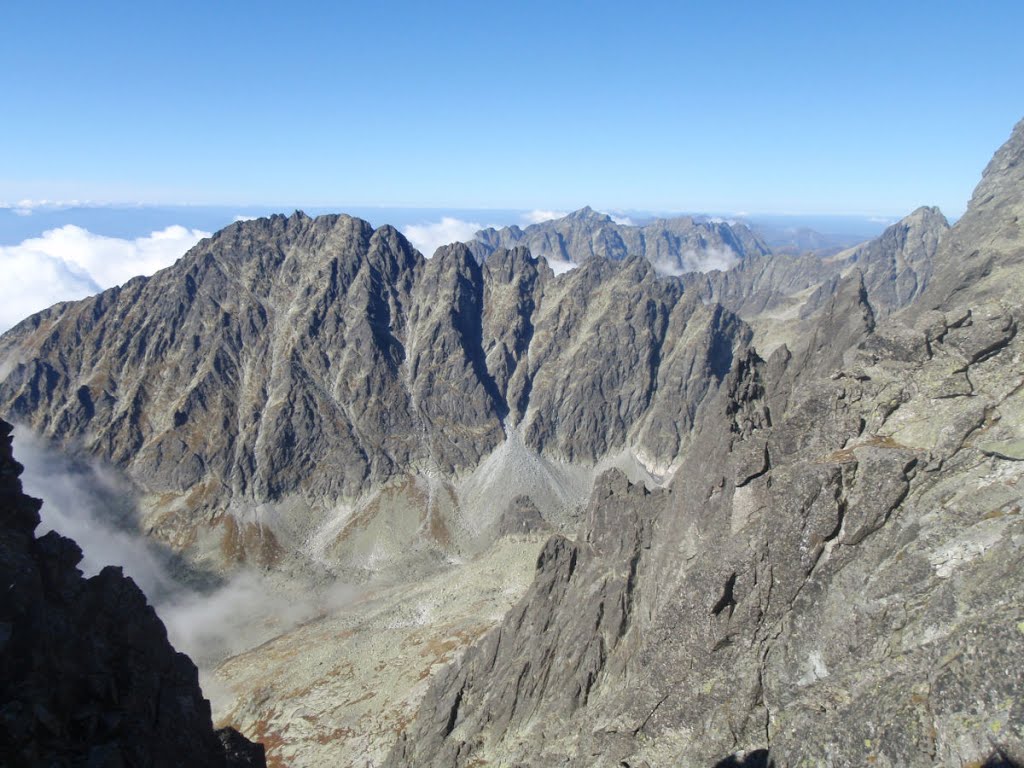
x,y
595,494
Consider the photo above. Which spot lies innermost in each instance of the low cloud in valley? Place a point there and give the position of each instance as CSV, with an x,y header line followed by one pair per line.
x,y
95,506
429,237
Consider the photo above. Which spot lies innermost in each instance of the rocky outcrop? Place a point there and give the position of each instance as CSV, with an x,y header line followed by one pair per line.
x,y
673,246
521,517
833,578
548,666
87,676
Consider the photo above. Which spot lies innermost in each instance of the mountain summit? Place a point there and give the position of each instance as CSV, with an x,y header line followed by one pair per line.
x,y
301,363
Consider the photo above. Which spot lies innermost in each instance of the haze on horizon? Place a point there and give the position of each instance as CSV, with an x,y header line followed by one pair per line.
x,y
870,109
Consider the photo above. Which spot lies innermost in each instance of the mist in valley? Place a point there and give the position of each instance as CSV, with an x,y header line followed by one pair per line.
x,y
208,616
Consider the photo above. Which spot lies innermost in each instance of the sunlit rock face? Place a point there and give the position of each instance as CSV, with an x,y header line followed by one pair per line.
x,y
832,577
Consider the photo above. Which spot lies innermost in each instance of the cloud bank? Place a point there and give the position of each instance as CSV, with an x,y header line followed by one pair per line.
x,y
70,263
27,206
705,260
560,267
429,237
96,507
92,507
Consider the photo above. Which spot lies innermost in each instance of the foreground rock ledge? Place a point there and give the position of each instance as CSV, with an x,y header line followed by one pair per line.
x,y
87,676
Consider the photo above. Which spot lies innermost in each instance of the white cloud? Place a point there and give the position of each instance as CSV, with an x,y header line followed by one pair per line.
x,y
537,216
429,237
70,263
245,218
705,260
560,267
34,281
95,507
76,501
667,268
622,221
710,259
27,206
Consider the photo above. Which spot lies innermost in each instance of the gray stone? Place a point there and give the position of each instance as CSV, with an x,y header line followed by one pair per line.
x,y
804,594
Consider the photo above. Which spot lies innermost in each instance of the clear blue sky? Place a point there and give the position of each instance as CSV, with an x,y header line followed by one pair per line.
x,y
761,107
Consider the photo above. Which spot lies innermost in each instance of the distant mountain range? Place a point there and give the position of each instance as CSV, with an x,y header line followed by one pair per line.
x,y
673,246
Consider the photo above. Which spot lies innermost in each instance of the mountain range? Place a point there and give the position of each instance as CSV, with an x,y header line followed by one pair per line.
x,y
673,246
746,505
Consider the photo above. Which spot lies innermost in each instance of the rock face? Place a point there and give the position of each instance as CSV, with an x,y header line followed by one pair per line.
x,y
287,366
673,246
832,577
896,267
898,264
87,676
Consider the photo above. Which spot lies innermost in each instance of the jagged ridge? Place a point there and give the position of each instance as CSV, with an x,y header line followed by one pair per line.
x,y
834,575
301,362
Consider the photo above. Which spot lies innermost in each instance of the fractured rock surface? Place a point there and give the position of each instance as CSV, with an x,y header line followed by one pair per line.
x,y
832,577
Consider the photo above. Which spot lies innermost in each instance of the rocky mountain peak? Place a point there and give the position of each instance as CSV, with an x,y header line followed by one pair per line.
x,y
505,263
455,257
588,214
335,359
925,214
673,246
982,255
1004,175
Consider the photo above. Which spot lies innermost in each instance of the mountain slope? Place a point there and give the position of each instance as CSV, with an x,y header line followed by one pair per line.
x,y
833,575
781,295
288,371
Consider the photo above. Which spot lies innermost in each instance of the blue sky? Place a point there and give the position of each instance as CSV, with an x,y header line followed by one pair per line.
x,y
871,108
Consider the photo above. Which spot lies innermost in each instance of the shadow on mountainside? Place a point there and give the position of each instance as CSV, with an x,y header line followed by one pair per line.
x,y
758,758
